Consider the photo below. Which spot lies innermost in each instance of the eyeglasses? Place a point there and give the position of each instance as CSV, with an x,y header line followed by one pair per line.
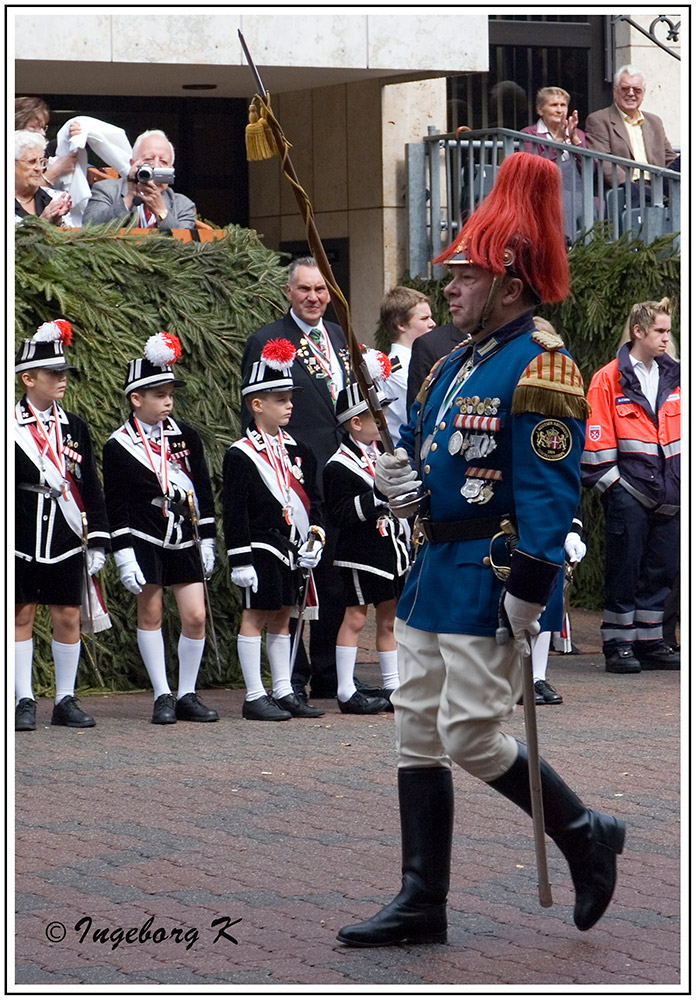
x,y
631,90
37,161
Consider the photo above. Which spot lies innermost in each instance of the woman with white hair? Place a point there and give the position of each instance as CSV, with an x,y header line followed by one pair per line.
x,y
31,197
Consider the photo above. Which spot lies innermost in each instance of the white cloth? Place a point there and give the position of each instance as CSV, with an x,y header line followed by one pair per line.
x,y
395,387
108,141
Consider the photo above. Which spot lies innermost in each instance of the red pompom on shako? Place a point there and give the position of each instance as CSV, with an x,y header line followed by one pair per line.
x,y
518,228
163,349
273,371
278,354
378,365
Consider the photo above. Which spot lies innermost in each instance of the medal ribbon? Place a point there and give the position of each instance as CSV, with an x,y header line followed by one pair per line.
x,y
162,475
281,467
368,461
322,356
56,454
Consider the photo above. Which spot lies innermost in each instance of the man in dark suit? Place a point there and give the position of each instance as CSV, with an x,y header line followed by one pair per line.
x,y
428,349
624,130
320,371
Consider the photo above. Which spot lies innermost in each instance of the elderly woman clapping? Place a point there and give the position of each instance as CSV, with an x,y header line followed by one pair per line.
x,y
554,123
30,197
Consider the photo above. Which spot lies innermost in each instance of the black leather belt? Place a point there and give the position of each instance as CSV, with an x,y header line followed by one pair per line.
x,y
46,491
460,531
165,504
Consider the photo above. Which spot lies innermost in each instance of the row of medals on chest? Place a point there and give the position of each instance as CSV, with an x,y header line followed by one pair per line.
x,y
475,444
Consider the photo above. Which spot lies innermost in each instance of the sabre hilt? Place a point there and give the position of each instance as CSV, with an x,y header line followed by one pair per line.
x,y
85,527
192,511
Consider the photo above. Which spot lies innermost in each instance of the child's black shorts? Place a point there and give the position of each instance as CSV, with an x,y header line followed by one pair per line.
x,y
165,567
50,583
361,587
278,585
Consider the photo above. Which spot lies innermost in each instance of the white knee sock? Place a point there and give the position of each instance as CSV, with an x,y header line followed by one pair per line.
x,y
249,653
540,655
345,667
66,656
190,655
389,665
24,657
278,649
151,646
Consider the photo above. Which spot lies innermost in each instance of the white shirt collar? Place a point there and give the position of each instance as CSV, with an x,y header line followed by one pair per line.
x,y
307,327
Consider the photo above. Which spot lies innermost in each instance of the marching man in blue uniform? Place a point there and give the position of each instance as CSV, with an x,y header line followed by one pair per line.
x,y
495,435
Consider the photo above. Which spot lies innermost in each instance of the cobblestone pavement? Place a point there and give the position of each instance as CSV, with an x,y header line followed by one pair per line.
x,y
231,853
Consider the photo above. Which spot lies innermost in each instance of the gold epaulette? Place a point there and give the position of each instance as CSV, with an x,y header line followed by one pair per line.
x,y
550,341
551,384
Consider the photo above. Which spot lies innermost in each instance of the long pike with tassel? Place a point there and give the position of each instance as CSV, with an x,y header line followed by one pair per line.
x,y
264,140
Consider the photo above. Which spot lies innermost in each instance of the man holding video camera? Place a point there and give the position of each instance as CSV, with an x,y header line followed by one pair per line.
x,y
144,196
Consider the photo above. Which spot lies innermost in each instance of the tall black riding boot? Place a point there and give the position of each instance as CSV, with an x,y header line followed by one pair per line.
x,y
419,912
588,840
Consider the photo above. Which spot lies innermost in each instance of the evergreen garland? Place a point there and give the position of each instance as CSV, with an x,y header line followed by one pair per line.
x,y
116,291
606,279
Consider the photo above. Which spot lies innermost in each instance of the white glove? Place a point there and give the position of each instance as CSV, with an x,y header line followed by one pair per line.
x,y
575,548
394,476
523,617
245,576
208,555
309,558
95,560
131,574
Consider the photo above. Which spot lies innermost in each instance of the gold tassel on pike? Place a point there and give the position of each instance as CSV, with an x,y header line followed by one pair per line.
x,y
258,135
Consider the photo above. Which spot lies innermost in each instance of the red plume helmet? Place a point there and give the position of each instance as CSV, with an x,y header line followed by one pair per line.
x,y
518,228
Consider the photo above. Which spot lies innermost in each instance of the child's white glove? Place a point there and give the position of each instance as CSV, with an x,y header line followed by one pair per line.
x,y
308,558
575,548
95,560
208,555
523,617
245,576
131,574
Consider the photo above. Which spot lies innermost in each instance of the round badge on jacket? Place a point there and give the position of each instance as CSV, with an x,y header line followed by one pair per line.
x,y
551,440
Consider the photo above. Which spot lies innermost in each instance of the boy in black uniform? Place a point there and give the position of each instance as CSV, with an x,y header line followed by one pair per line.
x,y
151,465
56,482
372,551
271,522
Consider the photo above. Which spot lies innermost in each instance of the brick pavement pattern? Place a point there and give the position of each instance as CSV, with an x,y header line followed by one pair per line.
x,y
232,853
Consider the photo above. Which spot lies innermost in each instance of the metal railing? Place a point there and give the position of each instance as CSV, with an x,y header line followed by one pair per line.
x,y
449,175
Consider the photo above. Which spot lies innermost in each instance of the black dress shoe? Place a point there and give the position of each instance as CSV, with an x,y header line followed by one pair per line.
x,y
298,707
164,711
622,661
360,704
264,710
66,713
386,694
25,715
544,694
659,657
189,709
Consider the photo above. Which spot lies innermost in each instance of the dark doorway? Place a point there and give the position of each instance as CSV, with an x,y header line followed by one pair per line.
x,y
208,138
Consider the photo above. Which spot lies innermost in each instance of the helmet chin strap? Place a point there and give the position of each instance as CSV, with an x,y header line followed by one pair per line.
x,y
488,307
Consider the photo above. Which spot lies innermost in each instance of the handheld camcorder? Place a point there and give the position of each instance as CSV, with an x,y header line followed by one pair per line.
x,y
160,175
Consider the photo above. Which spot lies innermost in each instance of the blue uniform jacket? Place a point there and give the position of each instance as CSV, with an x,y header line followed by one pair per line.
x,y
478,458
